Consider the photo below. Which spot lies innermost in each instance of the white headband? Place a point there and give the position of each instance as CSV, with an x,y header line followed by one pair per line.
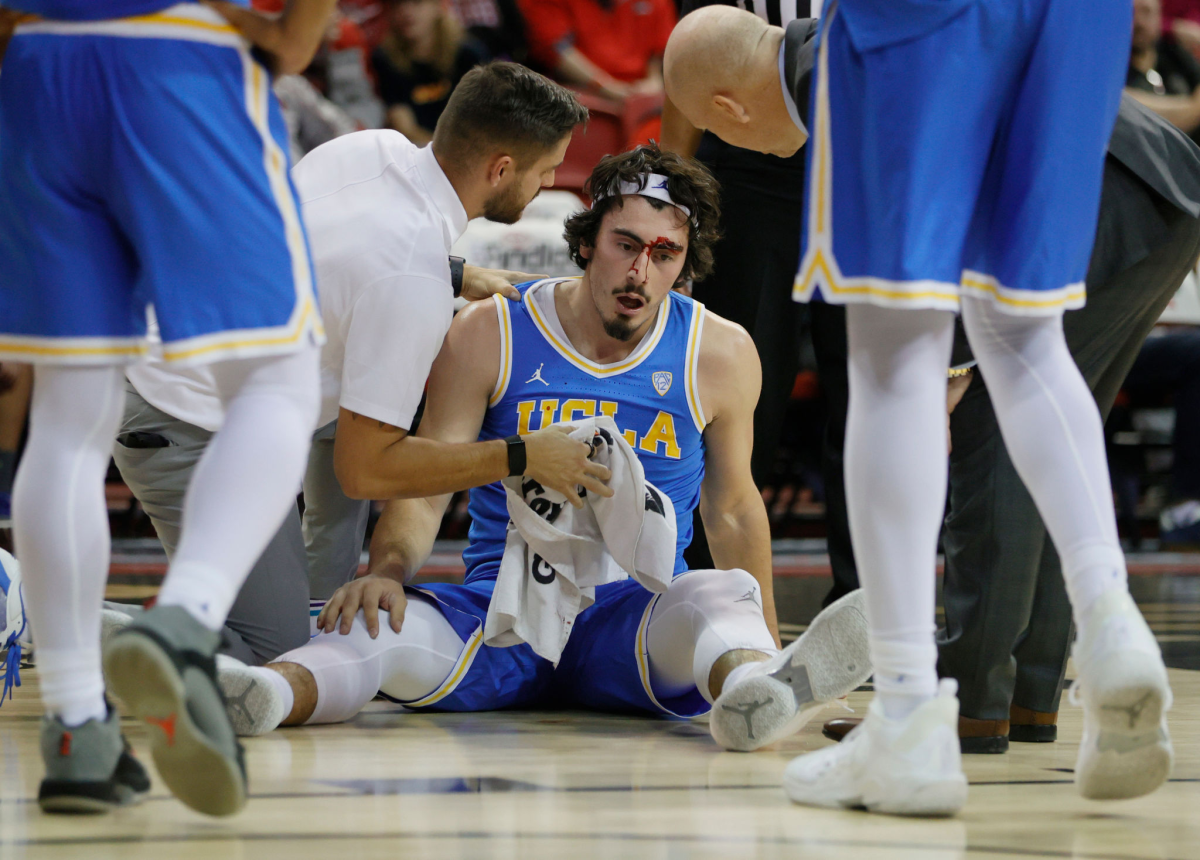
x,y
652,185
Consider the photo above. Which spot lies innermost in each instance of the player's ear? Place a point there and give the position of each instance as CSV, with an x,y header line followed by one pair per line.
x,y
499,167
585,250
731,108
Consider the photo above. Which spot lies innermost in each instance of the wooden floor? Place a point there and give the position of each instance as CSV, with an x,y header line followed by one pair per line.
x,y
571,786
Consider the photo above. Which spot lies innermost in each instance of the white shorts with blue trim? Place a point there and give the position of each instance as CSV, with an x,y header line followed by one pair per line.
x,y
144,163
958,148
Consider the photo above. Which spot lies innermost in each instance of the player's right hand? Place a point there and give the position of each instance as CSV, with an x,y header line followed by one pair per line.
x,y
560,463
370,594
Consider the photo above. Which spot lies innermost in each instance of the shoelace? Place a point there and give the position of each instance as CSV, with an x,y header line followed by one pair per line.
x,y
12,660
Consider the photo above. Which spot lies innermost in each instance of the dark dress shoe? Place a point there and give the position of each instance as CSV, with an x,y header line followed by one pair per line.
x,y
975,736
1032,727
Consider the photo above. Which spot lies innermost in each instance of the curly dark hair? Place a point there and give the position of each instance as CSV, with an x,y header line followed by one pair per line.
x,y
689,183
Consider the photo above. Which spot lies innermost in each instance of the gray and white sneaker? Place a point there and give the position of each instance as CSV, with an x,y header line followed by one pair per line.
x,y
253,704
162,667
89,768
783,693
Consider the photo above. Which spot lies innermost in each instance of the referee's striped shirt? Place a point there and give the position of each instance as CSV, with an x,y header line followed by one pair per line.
x,y
778,13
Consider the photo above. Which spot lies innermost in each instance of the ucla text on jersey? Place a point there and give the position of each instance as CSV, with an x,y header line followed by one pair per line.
x,y
651,395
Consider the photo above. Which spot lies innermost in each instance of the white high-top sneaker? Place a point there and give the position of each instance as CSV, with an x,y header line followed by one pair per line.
x,y
911,766
1122,685
253,704
778,696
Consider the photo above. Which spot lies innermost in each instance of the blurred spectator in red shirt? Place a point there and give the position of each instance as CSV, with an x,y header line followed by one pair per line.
x,y
420,61
612,47
1181,18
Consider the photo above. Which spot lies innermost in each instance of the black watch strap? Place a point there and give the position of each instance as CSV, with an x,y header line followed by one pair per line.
x,y
516,455
457,264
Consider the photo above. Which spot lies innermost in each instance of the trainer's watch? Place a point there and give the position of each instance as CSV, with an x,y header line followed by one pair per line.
x,y
516,455
457,265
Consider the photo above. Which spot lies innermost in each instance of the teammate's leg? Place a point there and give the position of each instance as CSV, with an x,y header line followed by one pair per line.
x,y
896,488
330,679
905,756
61,531
161,665
1053,431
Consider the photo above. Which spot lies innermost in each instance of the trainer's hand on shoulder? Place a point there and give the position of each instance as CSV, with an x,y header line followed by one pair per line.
x,y
560,463
480,283
370,594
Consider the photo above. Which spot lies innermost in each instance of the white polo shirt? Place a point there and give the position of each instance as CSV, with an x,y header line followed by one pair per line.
x,y
381,217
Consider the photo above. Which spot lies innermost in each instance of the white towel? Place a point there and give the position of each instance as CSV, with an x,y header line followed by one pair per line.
x,y
555,555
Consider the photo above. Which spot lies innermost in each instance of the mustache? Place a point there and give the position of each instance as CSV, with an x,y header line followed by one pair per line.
x,y
632,291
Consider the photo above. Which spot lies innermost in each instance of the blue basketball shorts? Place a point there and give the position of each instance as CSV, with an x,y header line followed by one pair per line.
x,y
605,666
958,149
145,165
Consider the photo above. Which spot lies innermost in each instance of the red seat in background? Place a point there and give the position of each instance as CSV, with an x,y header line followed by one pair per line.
x,y
611,128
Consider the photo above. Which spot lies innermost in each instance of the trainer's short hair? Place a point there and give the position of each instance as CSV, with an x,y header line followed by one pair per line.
x,y
505,107
689,184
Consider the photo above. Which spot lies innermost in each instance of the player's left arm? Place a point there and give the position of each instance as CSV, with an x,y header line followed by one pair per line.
x,y
731,506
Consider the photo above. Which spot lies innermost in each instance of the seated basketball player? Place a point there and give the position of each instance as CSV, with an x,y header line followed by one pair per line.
x,y
681,384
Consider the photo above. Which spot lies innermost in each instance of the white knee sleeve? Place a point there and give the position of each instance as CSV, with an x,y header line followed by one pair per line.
x,y
350,670
703,614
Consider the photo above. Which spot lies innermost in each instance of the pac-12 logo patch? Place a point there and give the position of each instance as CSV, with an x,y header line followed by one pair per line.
x,y
661,380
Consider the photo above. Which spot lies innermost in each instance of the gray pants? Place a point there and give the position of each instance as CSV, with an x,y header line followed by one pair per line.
x,y
334,525
1008,620
271,613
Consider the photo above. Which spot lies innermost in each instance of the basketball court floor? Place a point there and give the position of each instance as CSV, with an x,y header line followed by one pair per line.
x,y
572,785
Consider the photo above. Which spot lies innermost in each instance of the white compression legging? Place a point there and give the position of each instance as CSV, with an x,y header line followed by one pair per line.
x,y
239,495
703,615
896,465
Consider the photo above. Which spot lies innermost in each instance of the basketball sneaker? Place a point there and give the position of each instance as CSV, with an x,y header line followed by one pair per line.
x,y
162,667
911,766
1122,684
253,704
777,697
89,768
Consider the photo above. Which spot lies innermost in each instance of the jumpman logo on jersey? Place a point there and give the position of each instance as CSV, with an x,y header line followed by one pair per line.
x,y
749,595
747,712
537,376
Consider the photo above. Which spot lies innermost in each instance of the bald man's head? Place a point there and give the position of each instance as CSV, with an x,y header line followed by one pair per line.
x,y
721,69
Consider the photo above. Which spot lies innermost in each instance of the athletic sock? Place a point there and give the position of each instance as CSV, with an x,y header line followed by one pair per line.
x,y
280,684
1090,572
738,673
72,684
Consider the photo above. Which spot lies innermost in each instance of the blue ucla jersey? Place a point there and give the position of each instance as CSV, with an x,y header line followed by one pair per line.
x,y
95,10
651,395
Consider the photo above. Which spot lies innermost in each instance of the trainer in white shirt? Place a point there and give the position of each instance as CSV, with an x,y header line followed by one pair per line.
x,y
381,217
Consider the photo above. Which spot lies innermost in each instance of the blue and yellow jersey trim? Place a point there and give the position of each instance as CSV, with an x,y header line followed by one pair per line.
x,y
819,268
588,366
461,668
191,22
642,655
692,377
198,23
504,316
